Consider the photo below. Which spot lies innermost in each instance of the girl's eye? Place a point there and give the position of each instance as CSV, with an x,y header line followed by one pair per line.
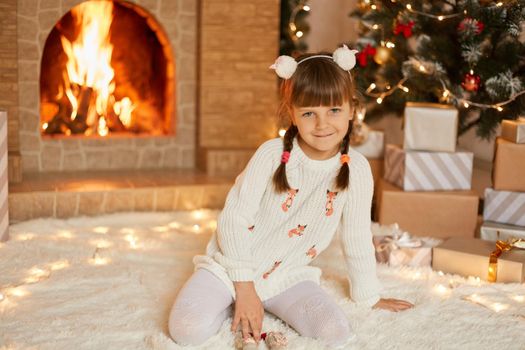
x,y
307,114
335,110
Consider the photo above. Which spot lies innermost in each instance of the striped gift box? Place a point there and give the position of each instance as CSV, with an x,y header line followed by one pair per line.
x,y
505,207
428,171
493,231
4,217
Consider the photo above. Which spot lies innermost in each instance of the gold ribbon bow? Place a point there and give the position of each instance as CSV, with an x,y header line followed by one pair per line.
x,y
502,246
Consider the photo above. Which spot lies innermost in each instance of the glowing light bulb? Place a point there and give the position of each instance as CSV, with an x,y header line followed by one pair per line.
x,y
466,105
409,7
499,307
59,265
174,224
422,68
373,7
44,126
519,298
440,18
372,86
101,229
446,93
18,292
404,88
198,214
379,100
375,26
499,108
306,8
97,260
299,34
441,289
282,132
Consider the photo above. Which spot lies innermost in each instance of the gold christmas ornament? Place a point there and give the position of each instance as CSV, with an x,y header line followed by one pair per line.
x,y
382,54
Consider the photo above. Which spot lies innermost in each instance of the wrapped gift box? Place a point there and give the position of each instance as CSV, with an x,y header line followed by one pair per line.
x,y
430,127
400,249
4,215
508,173
505,207
373,147
435,214
493,231
513,130
428,171
470,257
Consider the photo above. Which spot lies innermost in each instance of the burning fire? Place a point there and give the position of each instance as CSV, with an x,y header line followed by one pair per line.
x,y
89,82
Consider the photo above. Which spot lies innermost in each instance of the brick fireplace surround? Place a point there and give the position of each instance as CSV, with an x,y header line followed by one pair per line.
x,y
222,89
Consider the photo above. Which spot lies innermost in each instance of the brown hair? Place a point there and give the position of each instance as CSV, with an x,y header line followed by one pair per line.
x,y
315,82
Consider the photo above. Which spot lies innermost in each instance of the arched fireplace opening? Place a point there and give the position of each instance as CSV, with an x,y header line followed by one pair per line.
x,y
107,69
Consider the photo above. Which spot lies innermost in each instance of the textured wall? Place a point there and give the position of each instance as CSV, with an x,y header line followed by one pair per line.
x,y
9,81
238,93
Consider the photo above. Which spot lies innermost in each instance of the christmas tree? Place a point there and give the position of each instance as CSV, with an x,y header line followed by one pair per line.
x,y
465,53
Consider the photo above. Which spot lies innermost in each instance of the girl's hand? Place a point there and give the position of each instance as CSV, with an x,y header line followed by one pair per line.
x,y
249,311
392,305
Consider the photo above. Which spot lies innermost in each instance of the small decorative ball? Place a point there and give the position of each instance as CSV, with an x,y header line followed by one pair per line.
x,y
382,55
471,82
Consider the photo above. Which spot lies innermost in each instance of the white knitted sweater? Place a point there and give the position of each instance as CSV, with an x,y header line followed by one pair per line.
x,y
271,238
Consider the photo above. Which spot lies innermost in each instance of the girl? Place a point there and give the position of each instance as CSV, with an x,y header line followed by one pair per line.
x,y
282,211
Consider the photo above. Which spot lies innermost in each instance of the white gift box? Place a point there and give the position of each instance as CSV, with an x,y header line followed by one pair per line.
x,y
428,171
373,147
398,248
513,130
505,207
4,215
493,231
430,127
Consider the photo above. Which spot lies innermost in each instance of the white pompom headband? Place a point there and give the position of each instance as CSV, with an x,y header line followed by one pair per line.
x,y
285,66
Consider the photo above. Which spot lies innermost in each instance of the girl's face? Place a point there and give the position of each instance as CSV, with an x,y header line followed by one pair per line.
x,y
321,129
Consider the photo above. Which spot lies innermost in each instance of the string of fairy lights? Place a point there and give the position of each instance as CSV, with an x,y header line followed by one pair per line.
x,y
294,33
200,222
447,94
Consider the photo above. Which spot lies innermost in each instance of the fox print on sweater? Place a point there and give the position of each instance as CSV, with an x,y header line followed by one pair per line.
x,y
270,238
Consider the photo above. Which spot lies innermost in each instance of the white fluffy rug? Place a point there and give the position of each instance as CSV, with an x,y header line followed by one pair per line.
x,y
62,292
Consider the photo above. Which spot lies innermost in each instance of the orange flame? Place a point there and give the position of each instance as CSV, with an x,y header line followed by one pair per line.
x,y
89,62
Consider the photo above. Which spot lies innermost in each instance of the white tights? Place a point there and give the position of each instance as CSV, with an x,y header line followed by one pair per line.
x,y
204,303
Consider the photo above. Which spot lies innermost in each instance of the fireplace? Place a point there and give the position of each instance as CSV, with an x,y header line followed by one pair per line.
x,y
106,70
158,96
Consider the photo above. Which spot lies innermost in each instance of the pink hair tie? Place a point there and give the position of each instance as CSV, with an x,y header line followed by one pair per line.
x,y
285,157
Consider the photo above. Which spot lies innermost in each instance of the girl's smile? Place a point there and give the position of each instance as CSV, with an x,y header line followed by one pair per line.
x,y
321,129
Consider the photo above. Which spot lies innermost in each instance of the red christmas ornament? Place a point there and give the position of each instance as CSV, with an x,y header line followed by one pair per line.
x,y
362,56
471,24
471,82
404,28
